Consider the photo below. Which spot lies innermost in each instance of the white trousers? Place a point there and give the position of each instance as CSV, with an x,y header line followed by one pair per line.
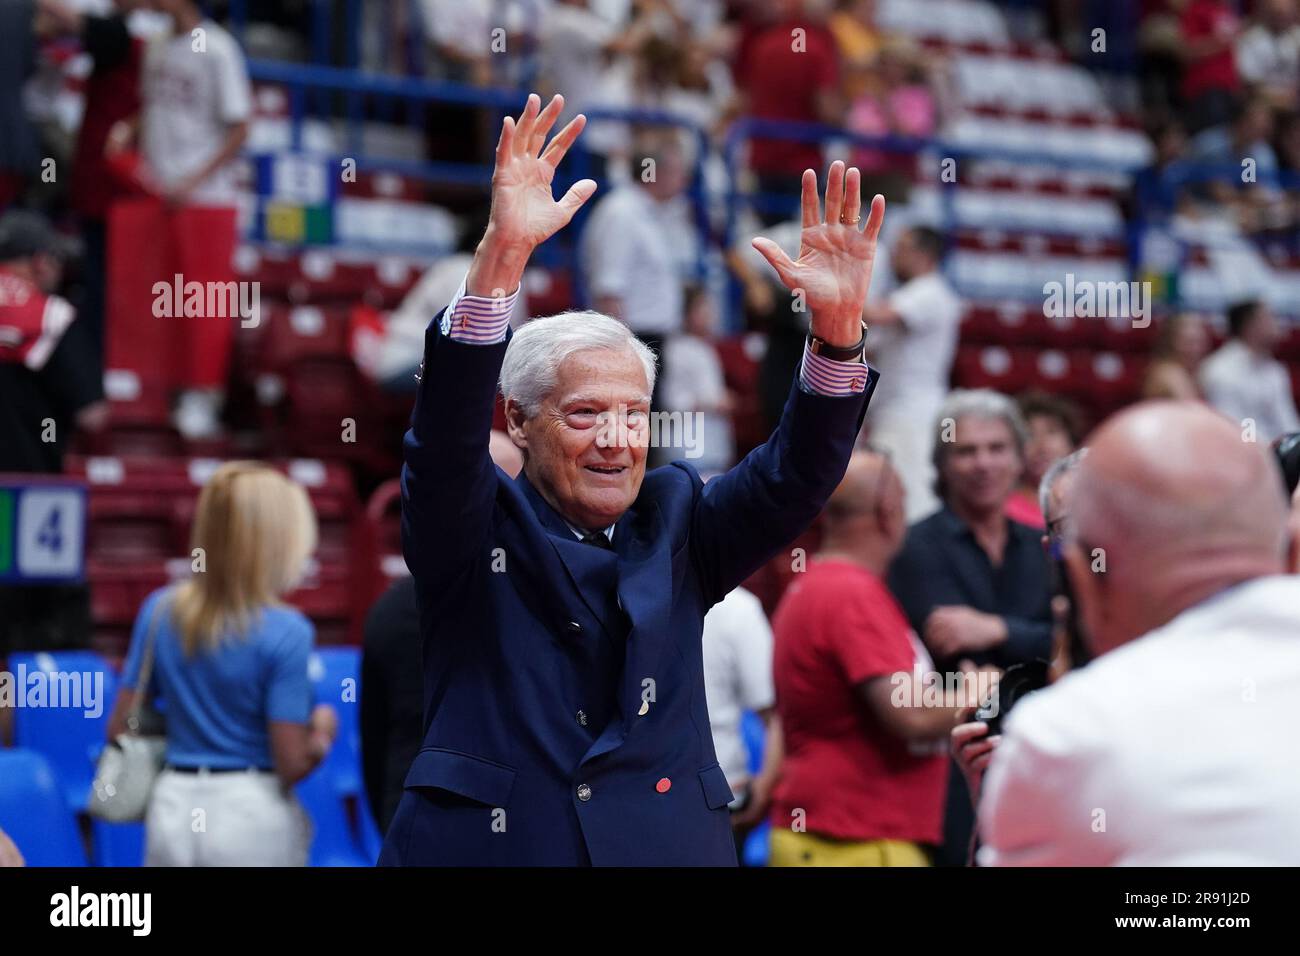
x,y
224,819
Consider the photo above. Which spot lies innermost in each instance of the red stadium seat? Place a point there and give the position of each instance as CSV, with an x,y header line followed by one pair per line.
x,y
289,333
378,558
1116,380
1060,373
141,511
1019,325
549,291
1006,370
1119,334
325,597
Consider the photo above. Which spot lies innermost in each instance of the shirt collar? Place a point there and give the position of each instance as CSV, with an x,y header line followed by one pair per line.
x,y
608,532
955,526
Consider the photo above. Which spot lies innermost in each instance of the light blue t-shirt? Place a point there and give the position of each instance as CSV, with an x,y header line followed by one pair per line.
x,y
218,702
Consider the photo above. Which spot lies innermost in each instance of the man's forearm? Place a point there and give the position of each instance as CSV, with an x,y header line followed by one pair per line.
x,y
236,136
1027,640
498,267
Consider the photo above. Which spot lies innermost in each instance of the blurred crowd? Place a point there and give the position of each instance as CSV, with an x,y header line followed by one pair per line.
x,y
1219,84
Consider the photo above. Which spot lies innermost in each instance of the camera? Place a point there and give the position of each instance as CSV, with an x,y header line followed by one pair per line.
x,y
1018,681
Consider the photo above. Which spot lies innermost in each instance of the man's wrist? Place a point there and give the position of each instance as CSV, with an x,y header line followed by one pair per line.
x,y
498,267
850,353
840,332
1001,632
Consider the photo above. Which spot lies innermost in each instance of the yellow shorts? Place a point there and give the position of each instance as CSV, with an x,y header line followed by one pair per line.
x,y
789,848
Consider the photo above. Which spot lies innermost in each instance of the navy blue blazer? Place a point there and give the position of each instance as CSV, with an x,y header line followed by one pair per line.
x,y
565,718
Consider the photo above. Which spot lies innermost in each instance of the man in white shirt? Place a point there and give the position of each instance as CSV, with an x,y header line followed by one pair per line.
x,y
1174,745
738,677
197,103
914,331
1243,380
1268,52
695,385
639,245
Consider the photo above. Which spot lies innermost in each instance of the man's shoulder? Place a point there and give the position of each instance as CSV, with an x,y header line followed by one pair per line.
x,y
288,624
843,581
926,531
1094,704
219,39
931,288
1025,532
1069,717
623,200
1218,361
733,617
677,481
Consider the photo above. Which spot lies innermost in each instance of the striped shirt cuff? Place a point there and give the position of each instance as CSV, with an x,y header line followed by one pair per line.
x,y
477,319
827,376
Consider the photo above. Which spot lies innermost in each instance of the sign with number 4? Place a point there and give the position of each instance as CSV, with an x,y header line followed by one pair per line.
x,y
42,532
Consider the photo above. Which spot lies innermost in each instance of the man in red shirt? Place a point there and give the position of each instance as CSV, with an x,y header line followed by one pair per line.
x,y
864,775
789,71
1210,87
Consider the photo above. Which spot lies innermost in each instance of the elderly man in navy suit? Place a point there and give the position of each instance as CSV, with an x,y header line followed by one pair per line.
x,y
565,721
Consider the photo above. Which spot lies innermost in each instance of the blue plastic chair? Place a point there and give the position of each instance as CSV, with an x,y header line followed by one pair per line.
x,y
755,734
758,845
332,842
33,811
330,668
116,844
69,739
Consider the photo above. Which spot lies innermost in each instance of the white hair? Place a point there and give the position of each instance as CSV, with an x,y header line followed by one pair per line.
x,y
983,403
537,350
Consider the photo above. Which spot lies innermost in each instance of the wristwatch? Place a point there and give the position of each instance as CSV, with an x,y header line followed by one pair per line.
x,y
840,354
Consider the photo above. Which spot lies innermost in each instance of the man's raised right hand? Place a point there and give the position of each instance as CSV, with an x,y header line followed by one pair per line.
x,y
524,213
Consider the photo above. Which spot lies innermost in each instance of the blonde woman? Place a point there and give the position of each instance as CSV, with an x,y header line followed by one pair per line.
x,y
231,663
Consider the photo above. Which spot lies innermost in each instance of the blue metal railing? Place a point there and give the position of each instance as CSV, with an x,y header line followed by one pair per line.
x,y
305,84
320,90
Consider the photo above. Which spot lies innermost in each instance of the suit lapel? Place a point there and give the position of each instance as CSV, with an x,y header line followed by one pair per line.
x,y
641,567
591,570
644,592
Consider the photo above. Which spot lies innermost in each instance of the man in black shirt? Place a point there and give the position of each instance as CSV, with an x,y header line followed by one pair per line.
x,y
975,585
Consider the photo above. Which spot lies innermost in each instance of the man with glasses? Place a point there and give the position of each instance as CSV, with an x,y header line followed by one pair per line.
x,y
1174,746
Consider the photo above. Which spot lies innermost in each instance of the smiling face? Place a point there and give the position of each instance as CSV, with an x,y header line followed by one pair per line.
x,y
585,448
982,466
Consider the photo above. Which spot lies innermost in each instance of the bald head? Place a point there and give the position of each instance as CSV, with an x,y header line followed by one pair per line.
x,y
1177,477
864,514
858,490
1180,507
